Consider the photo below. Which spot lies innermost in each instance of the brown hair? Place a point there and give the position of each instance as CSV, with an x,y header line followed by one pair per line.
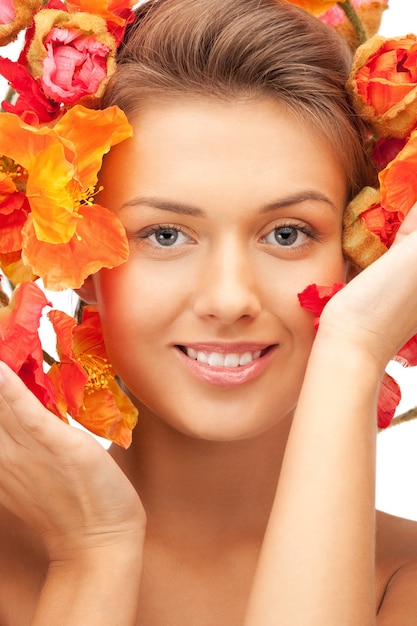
x,y
243,49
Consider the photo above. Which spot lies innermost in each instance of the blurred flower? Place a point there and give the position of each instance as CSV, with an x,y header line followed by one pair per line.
x,y
20,346
369,13
314,6
65,237
15,15
383,84
85,380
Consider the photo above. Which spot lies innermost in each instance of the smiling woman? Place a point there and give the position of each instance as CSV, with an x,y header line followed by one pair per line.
x,y
247,493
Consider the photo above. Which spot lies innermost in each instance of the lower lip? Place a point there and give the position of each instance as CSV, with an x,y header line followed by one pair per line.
x,y
227,376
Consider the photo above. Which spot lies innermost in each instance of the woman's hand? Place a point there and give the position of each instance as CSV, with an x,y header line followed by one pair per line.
x,y
59,480
377,310
63,484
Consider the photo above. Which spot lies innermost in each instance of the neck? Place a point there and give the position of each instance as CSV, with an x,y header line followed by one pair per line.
x,y
214,486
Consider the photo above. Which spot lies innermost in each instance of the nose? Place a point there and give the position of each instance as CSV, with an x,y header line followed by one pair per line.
x,y
227,290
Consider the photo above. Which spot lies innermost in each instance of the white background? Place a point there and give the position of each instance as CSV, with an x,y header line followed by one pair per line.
x,y
397,446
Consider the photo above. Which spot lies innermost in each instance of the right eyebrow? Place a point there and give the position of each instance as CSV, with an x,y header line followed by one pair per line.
x,y
164,205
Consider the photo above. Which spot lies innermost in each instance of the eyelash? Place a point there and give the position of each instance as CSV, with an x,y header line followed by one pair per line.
x,y
146,233
301,228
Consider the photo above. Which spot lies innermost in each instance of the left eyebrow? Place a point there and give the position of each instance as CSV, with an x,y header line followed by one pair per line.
x,y
298,198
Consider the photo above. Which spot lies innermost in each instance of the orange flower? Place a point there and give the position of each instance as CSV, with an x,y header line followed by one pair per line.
x,y
398,180
110,10
20,346
314,6
383,84
59,168
15,15
85,380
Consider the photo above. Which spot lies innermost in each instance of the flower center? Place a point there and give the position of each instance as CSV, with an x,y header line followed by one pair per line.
x,y
99,372
15,172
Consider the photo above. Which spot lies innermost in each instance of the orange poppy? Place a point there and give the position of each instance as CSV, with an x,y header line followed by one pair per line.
x,y
398,180
85,380
383,84
60,165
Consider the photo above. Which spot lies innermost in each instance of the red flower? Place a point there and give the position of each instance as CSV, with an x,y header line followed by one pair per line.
x,y
20,346
386,149
388,400
382,222
314,299
31,99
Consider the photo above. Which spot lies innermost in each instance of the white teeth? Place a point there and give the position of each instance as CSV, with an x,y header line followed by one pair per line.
x,y
202,357
218,359
245,358
231,360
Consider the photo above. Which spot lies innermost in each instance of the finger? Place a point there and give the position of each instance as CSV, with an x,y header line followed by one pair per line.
x,y
24,417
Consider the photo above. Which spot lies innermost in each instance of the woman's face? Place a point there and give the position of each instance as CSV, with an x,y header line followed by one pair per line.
x,y
231,210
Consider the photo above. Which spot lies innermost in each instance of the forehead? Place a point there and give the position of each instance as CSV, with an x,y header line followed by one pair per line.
x,y
231,152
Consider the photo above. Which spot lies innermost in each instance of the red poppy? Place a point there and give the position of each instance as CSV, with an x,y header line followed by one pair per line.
x,y
20,346
314,299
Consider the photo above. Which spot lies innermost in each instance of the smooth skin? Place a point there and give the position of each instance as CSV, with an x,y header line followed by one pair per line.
x,y
231,210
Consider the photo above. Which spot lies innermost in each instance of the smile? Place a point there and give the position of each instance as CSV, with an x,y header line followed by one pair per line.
x,y
226,367
218,359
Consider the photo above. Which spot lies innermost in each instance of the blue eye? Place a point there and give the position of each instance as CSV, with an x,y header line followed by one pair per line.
x,y
289,235
164,236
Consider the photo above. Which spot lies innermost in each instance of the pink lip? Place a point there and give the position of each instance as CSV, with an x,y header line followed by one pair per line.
x,y
227,376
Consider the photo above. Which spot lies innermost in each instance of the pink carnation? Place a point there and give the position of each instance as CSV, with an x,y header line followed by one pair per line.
x,y
7,12
74,66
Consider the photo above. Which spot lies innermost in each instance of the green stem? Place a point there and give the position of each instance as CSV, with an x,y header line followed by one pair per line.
x,y
352,15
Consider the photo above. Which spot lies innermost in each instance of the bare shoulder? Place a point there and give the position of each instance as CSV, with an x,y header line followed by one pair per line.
x,y
23,566
396,561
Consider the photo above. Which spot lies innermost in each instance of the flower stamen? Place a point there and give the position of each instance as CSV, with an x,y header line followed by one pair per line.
x,y
99,372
